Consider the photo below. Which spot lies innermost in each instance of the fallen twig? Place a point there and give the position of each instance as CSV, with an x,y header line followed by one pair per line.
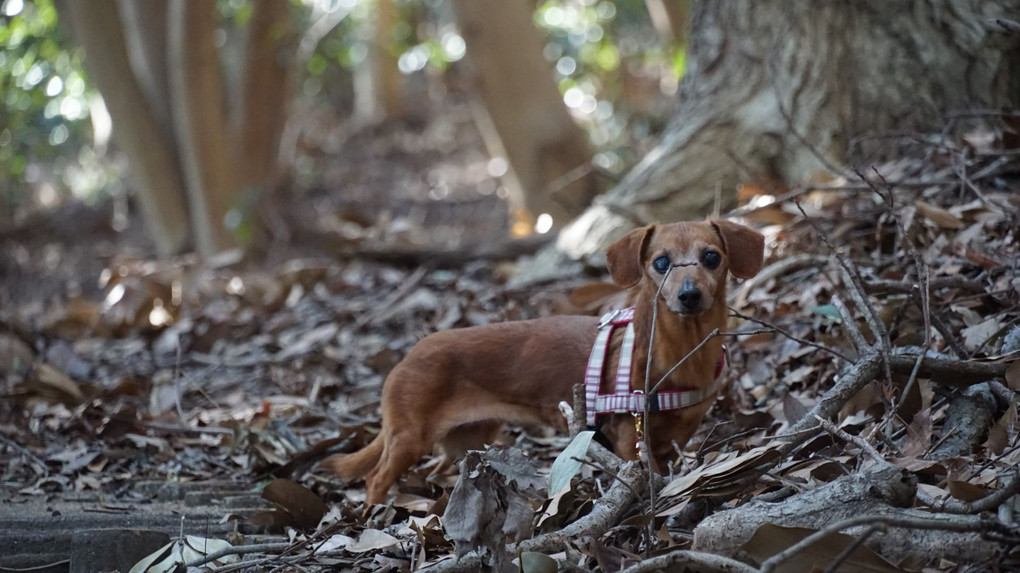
x,y
855,440
242,550
991,501
693,560
786,334
606,513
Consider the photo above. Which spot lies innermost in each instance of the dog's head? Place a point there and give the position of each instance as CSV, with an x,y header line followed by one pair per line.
x,y
691,257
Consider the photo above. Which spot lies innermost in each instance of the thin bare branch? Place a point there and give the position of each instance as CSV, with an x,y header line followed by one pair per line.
x,y
850,325
690,560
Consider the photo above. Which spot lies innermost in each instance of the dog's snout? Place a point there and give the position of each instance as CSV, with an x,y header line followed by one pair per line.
x,y
690,295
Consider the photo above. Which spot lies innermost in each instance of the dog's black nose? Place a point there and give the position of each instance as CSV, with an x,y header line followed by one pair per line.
x,y
690,295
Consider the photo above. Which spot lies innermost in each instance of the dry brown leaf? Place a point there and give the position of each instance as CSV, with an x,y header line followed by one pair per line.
x,y
52,385
793,409
980,259
297,500
998,433
918,435
484,510
938,215
966,491
1013,375
412,503
717,477
770,539
934,492
274,518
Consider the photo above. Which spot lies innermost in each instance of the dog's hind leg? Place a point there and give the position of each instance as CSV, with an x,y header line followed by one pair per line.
x,y
402,451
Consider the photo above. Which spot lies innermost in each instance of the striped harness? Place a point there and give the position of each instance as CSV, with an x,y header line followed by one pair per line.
x,y
625,400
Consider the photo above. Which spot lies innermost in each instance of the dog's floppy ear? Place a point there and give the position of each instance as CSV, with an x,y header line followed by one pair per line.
x,y
745,248
625,257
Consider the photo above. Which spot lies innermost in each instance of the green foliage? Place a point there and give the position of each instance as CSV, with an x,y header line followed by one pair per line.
x,y
610,63
44,100
611,67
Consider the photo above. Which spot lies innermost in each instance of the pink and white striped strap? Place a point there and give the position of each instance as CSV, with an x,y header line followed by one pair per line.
x,y
624,400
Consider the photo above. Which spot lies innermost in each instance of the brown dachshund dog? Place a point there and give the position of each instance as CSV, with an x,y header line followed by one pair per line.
x,y
455,388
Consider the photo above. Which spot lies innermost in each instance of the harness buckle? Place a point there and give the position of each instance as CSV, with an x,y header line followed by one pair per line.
x,y
639,429
653,403
639,419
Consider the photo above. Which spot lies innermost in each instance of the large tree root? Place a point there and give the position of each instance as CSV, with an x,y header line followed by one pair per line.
x,y
883,492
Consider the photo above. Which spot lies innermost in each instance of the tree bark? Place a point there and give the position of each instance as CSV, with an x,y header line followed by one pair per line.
x,y
378,89
267,89
776,92
144,25
527,122
880,490
200,121
97,26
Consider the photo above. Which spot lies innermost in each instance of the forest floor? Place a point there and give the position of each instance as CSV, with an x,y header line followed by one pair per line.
x,y
889,305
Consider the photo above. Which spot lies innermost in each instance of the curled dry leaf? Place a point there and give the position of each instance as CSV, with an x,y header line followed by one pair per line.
x,y
51,384
715,478
514,466
485,511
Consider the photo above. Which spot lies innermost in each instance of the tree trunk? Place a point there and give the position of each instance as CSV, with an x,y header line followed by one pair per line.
x,y
144,25
97,26
668,17
776,91
267,89
200,121
527,121
378,89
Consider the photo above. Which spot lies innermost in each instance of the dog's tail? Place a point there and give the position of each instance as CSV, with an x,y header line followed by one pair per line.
x,y
356,465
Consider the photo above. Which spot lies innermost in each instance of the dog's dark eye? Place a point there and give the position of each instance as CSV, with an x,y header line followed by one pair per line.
x,y
711,259
661,264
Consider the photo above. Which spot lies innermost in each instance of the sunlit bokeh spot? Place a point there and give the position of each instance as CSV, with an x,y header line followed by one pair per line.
x,y
573,98
159,316
566,65
13,7
497,167
454,47
543,224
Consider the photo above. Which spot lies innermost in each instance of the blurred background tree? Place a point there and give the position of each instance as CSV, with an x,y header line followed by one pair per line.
x,y
568,94
779,94
198,94
202,137
46,142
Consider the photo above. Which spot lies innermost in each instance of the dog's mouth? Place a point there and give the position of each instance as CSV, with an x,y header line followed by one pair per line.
x,y
677,307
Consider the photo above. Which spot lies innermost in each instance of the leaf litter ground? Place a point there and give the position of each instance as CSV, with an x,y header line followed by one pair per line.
x,y
117,366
